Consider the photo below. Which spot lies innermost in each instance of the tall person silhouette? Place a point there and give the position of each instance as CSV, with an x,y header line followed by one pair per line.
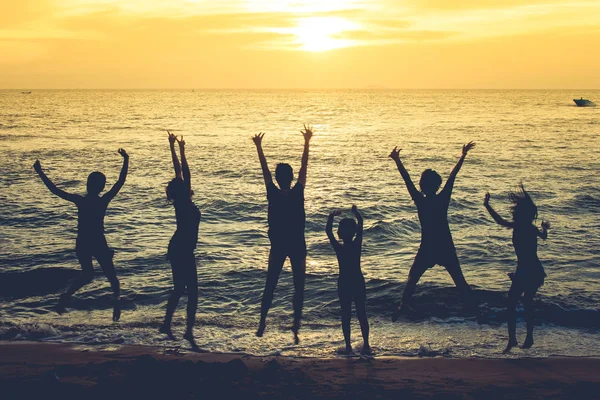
x,y
286,229
91,242
530,274
437,246
183,243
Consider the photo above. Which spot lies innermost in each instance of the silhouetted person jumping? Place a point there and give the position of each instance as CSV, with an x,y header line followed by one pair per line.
x,y
183,243
437,246
286,229
530,274
91,242
351,282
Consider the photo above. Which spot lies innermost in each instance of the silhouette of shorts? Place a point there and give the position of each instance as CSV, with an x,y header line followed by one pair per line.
x,y
294,250
443,255
180,247
184,269
530,277
96,247
352,290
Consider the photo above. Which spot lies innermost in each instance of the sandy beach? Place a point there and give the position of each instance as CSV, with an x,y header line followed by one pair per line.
x,y
33,369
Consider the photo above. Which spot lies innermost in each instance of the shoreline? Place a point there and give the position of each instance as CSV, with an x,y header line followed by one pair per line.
x,y
30,369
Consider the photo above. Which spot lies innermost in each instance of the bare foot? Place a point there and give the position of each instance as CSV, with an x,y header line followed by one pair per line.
x,y
189,336
404,309
366,350
261,328
296,338
166,329
511,343
116,311
527,343
348,350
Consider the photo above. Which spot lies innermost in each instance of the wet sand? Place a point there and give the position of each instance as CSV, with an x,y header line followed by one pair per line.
x,y
53,370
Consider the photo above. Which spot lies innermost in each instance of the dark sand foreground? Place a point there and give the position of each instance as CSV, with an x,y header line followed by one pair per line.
x,y
60,371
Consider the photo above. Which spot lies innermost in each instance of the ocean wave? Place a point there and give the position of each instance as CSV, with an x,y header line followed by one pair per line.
x,y
586,202
382,230
27,331
239,291
348,164
34,282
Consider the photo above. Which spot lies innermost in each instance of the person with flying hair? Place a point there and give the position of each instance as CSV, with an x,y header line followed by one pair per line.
x,y
529,276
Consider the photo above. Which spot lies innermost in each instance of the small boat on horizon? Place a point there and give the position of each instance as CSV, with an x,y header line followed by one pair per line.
x,y
25,92
584,102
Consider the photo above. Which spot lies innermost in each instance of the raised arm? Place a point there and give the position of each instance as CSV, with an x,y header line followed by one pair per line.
x,y
359,230
176,165
307,133
108,196
329,228
50,185
185,168
412,190
499,220
543,233
257,139
450,182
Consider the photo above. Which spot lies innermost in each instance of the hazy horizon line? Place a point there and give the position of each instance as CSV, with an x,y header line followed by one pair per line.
x,y
290,89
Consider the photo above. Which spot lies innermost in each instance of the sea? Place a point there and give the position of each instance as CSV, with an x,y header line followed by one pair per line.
x,y
535,137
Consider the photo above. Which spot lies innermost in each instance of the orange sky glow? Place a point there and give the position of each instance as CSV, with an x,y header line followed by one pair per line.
x,y
300,44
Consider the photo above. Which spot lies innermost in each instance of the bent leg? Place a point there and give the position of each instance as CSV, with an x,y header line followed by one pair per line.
x,y
108,267
276,260
514,294
87,274
299,273
529,311
178,288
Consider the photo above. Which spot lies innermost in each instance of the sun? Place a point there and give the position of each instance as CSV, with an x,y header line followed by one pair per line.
x,y
319,34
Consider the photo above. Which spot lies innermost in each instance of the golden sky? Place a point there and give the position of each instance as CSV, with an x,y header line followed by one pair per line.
x,y
300,44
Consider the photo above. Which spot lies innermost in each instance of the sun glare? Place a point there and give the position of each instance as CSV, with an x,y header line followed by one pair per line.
x,y
318,34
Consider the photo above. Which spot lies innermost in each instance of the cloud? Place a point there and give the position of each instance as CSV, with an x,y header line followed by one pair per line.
x,y
381,37
374,22
474,4
167,43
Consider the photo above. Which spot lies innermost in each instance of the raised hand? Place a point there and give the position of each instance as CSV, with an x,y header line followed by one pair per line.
x,y
336,213
257,139
123,153
37,166
354,209
172,138
180,141
467,147
307,132
395,154
486,200
545,225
